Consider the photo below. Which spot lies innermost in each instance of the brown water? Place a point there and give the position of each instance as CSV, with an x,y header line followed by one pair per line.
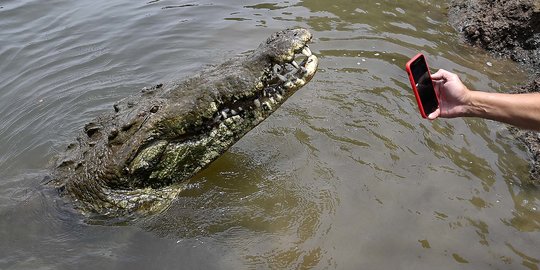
x,y
345,175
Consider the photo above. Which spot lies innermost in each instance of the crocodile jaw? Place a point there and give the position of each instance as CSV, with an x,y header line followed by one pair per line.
x,y
167,161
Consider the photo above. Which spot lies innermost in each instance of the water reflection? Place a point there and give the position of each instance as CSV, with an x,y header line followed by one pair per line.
x,y
526,215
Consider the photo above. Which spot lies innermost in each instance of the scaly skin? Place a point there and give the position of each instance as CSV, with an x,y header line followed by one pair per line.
x,y
129,161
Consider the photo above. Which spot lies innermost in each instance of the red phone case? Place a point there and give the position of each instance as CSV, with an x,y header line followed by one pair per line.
x,y
413,84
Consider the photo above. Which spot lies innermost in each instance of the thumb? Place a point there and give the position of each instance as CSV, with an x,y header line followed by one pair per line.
x,y
439,75
435,114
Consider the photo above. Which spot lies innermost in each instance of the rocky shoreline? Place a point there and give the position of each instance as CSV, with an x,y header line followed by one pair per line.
x,y
510,29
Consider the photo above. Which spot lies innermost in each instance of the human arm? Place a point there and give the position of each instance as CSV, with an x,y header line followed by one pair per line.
x,y
456,100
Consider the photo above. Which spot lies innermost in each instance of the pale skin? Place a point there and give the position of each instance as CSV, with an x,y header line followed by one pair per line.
x,y
456,100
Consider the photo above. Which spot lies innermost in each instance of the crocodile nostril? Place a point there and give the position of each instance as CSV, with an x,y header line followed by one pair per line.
x,y
90,129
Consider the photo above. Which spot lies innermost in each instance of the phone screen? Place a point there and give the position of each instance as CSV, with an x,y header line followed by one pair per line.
x,y
424,85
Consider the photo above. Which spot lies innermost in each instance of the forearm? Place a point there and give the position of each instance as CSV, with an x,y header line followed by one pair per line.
x,y
521,110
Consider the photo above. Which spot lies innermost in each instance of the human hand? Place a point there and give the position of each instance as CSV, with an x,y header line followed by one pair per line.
x,y
454,96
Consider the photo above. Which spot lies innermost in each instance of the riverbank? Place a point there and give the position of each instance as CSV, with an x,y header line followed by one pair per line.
x,y
509,29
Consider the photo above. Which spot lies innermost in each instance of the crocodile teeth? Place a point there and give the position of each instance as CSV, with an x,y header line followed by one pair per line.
x,y
288,85
267,106
306,51
257,103
279,97
295,64
277,69
224,114
233,112
272,100
282,78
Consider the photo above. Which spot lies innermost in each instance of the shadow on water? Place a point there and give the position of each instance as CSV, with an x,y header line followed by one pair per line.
x,y
244,198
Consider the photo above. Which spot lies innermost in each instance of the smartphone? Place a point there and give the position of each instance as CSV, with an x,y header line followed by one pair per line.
x,y
422,85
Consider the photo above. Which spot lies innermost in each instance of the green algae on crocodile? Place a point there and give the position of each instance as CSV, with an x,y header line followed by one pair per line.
x,y
131,160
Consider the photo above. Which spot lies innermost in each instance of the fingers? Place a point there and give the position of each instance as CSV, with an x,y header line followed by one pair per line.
x,y
441,74
445,76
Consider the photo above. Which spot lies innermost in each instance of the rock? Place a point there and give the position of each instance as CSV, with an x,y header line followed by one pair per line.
x,y
511,29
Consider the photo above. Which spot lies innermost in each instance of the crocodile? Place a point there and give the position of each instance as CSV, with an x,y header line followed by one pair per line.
x,y
131,160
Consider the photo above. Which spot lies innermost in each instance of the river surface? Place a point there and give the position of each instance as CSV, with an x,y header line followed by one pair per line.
x,y
345,175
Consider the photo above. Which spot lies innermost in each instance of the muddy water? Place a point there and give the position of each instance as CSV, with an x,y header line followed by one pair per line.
x,y
345,175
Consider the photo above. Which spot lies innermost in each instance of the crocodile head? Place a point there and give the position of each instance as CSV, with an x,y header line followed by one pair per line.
x,y
131,160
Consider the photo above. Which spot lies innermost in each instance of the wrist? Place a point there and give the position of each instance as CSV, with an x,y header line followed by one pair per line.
x,y
475,104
